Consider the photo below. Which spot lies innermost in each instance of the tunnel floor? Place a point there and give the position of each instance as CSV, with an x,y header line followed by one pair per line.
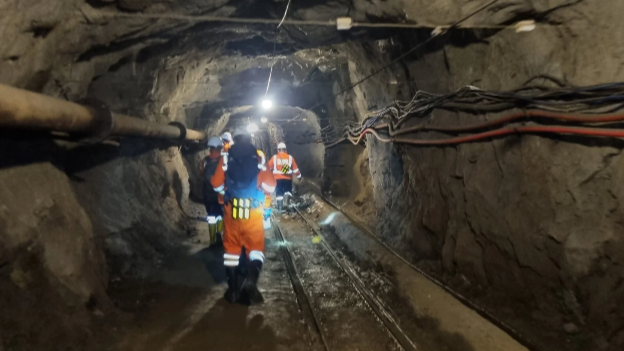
x,y
327,286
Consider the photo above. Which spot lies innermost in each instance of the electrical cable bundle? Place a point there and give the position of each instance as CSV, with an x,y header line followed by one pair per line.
x,y
560,107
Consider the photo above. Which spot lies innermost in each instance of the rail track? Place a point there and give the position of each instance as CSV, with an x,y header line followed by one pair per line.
x,y
369,298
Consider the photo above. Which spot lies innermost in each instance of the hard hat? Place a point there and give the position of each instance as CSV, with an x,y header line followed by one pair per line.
x,y
281,146
240,130
215,142
227,136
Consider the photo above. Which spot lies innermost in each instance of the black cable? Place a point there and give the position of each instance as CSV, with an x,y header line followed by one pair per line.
x,y
587,100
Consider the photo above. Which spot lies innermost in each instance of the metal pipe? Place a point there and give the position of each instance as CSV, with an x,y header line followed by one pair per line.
x,y
27,110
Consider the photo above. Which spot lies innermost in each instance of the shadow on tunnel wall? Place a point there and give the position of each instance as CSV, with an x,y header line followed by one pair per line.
x,y
70,156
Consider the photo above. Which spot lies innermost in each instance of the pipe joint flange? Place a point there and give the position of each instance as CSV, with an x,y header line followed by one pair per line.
x,y
104,121
182,128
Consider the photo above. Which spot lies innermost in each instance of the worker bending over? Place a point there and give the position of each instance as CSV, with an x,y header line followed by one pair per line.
x,y
212,199
283,167
243,181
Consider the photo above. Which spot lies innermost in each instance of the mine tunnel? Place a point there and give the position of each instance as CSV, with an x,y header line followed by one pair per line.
x,y
459,161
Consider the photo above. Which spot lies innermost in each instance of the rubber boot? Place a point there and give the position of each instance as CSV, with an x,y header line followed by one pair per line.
x,y
279,206
241,270
219,224
212,229
250,294
266,222
219,230
287,203
232,295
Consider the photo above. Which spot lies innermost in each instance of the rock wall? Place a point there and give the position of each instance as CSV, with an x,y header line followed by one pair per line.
x,y
72,215
68,210
530,227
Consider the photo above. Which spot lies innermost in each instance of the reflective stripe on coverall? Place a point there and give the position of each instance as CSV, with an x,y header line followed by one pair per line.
x,y
282,158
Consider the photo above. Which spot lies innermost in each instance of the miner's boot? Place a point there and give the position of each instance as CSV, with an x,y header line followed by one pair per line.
x,y
219,230
280,202
250,294
266,221
212,229
232,294
287,203
241,269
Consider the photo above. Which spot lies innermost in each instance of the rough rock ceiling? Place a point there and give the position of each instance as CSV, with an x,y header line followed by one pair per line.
x,y
76,33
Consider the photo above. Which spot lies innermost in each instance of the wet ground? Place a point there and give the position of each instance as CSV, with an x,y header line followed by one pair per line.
x,y
327,286
183,309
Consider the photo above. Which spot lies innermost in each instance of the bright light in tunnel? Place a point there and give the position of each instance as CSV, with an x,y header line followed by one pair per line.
x,y
252,128
267,104
263,119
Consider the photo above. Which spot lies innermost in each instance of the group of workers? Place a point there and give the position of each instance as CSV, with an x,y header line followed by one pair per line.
x,y
238,183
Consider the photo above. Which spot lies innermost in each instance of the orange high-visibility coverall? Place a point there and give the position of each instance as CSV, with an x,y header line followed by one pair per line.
x,y
282,158
238,233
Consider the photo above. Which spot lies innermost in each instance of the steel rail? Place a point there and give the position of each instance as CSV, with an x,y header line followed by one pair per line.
x,y
521,338
377,306
302,296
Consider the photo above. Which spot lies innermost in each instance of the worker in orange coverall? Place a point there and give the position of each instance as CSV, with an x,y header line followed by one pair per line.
x,y
243,179
283,167
227,141
212,200
267,201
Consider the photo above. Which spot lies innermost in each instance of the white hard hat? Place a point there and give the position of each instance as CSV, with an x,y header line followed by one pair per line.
x,y
227,136
240,130
215,142
281,146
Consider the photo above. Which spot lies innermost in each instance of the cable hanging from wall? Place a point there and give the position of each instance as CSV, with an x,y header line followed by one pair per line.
x,y
563,110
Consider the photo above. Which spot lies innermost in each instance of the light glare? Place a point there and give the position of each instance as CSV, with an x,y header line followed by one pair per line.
x,y
267,104
252,128
263,120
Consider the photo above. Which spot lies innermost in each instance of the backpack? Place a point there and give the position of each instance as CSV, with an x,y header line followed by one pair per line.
x,y
241,177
